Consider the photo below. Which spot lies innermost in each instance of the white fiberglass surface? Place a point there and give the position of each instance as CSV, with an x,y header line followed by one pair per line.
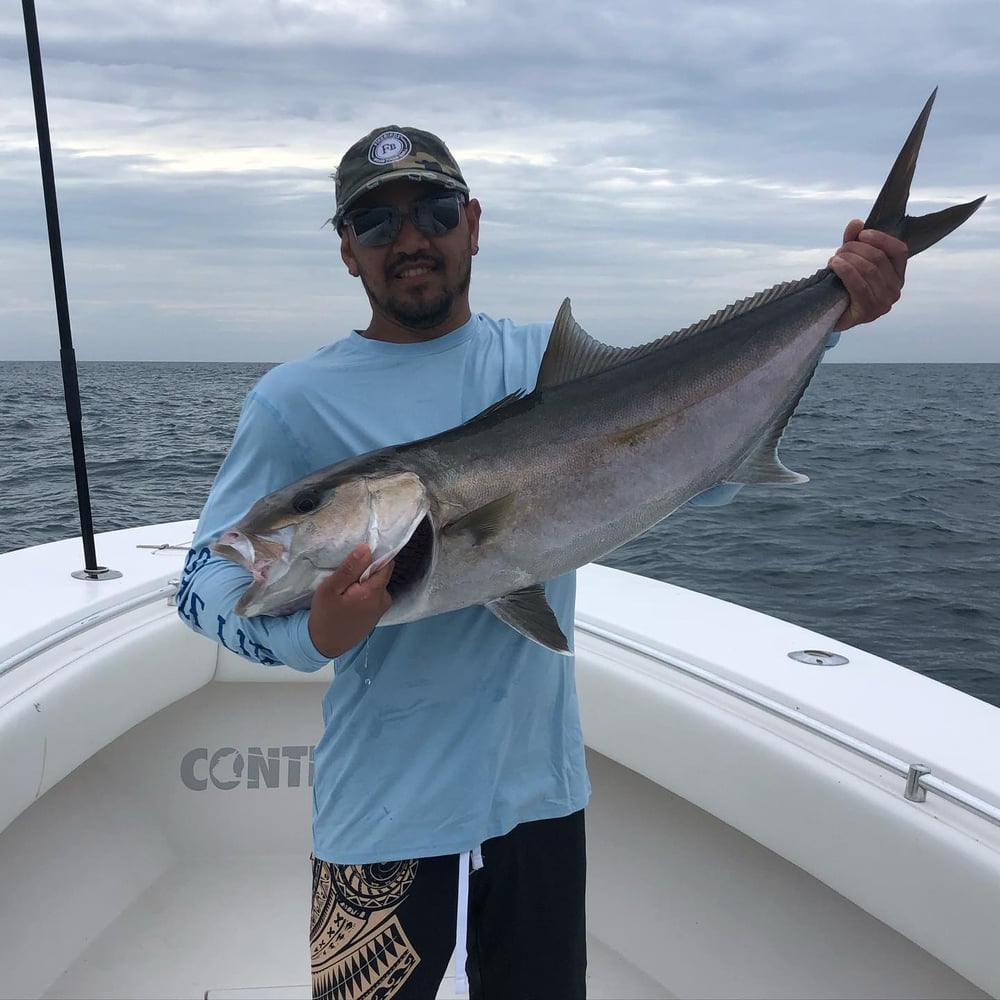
x,y
238,928
141,875
175,860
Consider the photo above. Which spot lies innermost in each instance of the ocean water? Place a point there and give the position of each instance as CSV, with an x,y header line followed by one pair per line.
x,y
894,546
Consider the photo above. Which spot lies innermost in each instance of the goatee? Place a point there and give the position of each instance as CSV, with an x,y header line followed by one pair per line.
x,y
417,313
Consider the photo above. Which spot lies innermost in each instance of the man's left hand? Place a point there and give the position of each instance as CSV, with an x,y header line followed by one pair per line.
x,y
872,266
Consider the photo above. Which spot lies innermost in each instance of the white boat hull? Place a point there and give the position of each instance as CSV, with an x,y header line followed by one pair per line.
x,y
155,802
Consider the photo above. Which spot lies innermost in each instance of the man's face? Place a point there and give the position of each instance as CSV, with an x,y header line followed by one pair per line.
x,y
419,282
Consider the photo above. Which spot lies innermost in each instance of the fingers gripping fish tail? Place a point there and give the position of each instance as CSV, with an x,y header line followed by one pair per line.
x,y
889,211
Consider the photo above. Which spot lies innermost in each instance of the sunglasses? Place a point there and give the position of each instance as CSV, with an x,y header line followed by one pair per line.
x,y
380,225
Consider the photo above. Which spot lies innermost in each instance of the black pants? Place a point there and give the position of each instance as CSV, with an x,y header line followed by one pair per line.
x,y
386,931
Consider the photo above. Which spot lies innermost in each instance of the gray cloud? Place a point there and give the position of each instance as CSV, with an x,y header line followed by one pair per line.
x,y
653,161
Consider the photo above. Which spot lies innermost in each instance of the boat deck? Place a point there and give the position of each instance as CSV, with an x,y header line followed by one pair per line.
x,y
210,913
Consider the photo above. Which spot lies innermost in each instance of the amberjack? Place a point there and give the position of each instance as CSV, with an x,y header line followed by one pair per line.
x,y
610,441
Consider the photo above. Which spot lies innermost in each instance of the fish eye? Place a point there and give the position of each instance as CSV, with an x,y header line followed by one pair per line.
x,y
305,502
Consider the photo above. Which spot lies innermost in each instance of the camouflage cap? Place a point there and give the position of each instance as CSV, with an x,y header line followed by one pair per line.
x,y
394,153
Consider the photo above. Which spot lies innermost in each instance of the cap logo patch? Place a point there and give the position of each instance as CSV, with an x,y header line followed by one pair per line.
x,y
389,147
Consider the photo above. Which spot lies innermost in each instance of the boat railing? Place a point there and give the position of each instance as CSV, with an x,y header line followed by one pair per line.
x,y
91,621
917,777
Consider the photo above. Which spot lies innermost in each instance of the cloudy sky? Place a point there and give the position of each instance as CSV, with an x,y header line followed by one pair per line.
x,y
651,159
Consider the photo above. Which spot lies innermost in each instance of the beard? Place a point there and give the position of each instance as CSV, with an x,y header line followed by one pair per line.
x,y
420,311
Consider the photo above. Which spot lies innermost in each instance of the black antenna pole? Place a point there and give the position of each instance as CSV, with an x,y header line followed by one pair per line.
x,y
67,356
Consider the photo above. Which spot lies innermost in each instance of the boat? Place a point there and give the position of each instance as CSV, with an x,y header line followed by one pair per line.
x,y
775,813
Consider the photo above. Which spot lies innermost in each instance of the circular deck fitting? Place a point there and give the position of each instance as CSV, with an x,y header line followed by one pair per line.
x,y
819,657
98,574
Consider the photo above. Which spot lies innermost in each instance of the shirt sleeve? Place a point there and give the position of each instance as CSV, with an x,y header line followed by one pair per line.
x,y
263,457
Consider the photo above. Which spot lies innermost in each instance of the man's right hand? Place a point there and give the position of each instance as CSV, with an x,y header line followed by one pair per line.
x,y
344,610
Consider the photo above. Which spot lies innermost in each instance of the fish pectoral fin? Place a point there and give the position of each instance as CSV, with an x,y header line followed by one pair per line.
x,y
483,522
528,612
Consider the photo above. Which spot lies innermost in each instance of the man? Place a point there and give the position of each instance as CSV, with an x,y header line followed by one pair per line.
x,y
450,743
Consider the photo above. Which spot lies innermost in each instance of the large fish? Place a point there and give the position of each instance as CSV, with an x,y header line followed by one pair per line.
x,y
611,441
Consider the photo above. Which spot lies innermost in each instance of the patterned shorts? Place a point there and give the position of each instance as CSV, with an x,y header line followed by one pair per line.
x,y
359,948
387,931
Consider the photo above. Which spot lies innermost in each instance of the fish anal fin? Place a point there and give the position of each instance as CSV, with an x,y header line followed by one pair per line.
x,y
483,522
528,612
762,467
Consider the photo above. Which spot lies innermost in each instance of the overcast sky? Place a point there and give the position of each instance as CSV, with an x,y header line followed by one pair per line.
x,y
652,160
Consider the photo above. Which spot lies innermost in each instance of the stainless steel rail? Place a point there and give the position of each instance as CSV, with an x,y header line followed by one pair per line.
x,y
916,775
918,779
85,624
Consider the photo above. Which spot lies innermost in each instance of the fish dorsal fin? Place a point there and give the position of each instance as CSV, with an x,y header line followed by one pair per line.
x,y
743,306
572,353
529,613
494,407
762,466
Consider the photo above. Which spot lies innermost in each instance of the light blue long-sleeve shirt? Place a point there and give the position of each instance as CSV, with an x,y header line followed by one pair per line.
x,y
439,733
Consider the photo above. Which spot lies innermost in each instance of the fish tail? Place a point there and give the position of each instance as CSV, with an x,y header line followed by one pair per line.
x,y
889,211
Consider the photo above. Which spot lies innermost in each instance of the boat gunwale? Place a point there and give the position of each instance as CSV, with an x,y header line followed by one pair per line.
x,y
926,781
913,771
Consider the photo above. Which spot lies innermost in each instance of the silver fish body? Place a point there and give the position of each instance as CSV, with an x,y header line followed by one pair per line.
x,y
611,441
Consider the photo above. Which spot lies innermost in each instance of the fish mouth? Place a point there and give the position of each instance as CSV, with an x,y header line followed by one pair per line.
x,y
259,555
411,565
257,559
